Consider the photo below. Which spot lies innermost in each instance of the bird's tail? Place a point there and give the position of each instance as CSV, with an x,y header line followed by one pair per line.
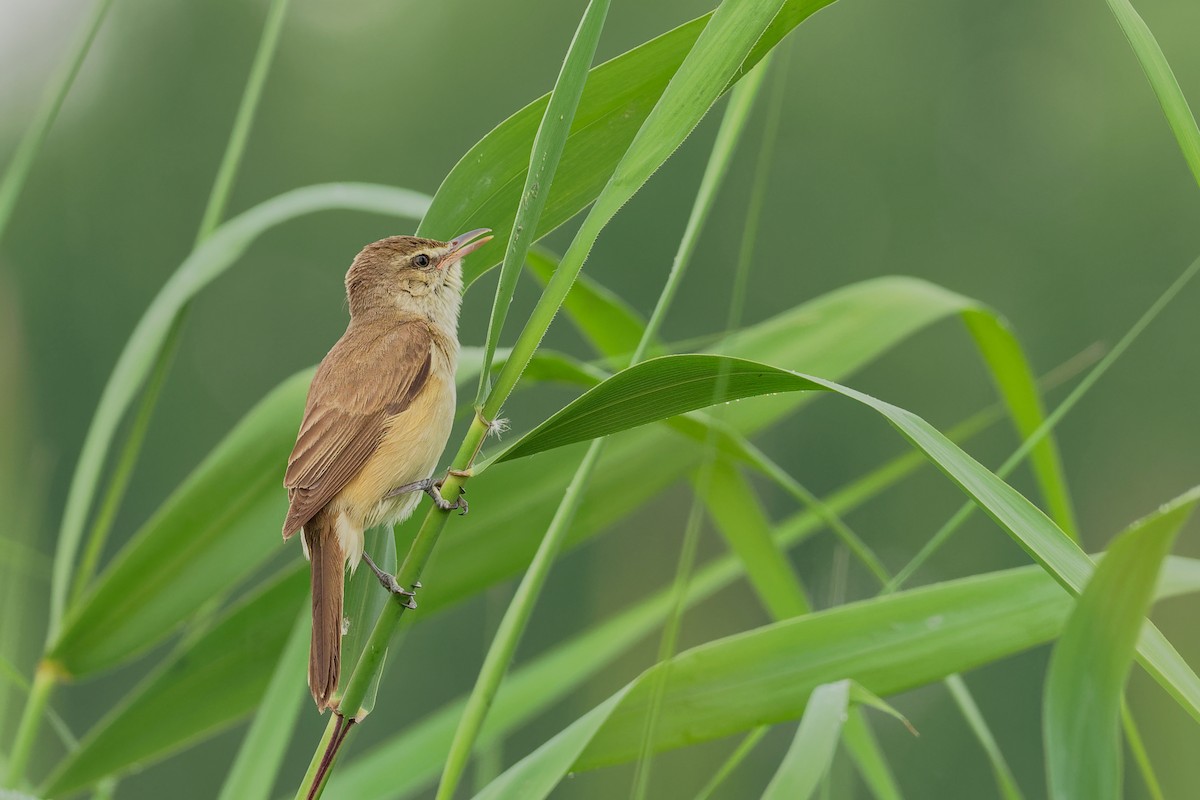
x,y
328,568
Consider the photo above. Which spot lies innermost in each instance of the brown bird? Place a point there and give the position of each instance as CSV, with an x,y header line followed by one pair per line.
x,y
378,415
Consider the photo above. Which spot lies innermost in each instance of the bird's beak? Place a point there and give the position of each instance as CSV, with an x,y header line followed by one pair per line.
x,y
464,245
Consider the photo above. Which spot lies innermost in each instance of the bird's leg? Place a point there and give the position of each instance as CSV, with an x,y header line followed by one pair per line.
x,y
422,485
388,581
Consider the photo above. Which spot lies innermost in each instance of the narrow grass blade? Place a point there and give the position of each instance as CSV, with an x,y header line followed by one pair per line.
x,y
253,772
484,187
1091,661
47,111
1162,80
765,676
812,750
1005,781
1010,370
230,666
206,537
868,758
609,324
703,76
548,145
744,748
739,516
672,385
202,266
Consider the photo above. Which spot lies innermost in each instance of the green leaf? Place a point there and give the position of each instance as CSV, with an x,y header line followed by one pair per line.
x,y
609,324
363,602
484,188
739,516
654,390
547,148
888,644
216,254
408,761
265,744
744,748
864,750
812,749
835,334
1087,673
671,385
213,531
1005,781
1162,80
230,667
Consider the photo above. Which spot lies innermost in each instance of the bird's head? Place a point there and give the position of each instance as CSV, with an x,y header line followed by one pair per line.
x,y
408,274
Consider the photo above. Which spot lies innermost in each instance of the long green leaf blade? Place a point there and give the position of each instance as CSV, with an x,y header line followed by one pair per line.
x,y
265,744
216,254
230,666
548,145
1087,672
888,644
811,752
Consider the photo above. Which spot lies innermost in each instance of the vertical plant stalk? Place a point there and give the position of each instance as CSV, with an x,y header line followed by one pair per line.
x,y
47,110
35,708
82,492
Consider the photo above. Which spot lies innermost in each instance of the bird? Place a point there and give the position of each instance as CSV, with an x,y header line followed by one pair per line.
x,y
377,417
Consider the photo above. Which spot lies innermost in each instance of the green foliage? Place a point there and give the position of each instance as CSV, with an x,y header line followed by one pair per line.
x,y
1092,659
587,148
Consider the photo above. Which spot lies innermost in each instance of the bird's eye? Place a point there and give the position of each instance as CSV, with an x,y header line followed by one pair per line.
x,y
421,260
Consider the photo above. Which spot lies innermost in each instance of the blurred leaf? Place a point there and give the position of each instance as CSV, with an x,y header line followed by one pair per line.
x,y
739,516
546,150
216,254
888,644
1162,80
814,745
1091,661
1017,385
364,600
483,189
868,757
265,743
1005,783
213,531
204,686
610,324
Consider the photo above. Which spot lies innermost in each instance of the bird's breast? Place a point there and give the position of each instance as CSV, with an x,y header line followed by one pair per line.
x,y
412,443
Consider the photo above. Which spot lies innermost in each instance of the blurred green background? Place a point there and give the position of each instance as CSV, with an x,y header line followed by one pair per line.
x,y
1011,152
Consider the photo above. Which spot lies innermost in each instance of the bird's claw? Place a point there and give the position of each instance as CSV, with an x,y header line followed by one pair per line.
x,y
442,503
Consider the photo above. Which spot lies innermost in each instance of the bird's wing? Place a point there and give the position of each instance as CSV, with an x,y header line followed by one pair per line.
x,y
367,378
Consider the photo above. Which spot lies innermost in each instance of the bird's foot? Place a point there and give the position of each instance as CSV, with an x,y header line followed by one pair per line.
x,y
389,582
460,502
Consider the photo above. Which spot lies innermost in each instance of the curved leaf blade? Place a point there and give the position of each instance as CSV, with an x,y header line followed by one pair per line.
x,y
484,187
212,257
1091,661
811,752
888,644
229,666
